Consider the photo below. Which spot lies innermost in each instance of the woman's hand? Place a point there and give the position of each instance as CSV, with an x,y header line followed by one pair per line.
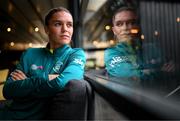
x,y
18,75
52,76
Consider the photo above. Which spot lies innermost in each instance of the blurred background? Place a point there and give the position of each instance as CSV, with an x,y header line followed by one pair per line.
x,y
21,27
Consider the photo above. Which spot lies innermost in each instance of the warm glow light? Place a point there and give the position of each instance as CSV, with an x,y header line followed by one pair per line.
x,y
22,46
95,42
142,37
8,29
30,44
100,44
134,31
38,8
10,7
178,19
107,27
12,44
156,33
112,42
36,29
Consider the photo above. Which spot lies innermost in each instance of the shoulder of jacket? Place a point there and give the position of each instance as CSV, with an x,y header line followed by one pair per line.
x,y
33,51
110,50
77,51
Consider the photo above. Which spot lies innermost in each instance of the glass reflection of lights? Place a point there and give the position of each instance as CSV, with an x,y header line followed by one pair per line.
x,y
156,33
142,37
178,19
134,31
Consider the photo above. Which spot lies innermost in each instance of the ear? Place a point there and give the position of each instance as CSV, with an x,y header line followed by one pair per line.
x,y
46,30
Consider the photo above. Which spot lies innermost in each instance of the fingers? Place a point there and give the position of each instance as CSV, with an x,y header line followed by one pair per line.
x,y
15,76
18,75
52,76
21,73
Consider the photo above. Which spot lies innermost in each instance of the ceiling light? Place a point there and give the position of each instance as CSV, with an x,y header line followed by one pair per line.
x,y
107,27
112,42
8,29
95,42
36,29
12,44
30,44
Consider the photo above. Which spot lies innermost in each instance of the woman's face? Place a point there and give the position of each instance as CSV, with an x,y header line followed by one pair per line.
x,y
123,22
60,29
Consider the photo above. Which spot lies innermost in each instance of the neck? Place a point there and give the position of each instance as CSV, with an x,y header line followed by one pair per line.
x,y
55,46
125,41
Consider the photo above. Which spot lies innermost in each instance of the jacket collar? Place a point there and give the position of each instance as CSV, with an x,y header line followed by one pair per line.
x,y
58,51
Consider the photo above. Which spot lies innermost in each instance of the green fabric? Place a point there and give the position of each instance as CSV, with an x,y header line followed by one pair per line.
x,y
121,61
29,96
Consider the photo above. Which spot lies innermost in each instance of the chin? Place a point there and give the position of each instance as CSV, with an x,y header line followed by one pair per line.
x,y
125,39
65,41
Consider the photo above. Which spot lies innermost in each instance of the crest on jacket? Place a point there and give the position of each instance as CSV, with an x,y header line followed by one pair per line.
x,y
57,66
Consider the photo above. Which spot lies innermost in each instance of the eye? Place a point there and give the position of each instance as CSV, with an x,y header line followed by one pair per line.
x,y
69,24
132,22
57,24
119,24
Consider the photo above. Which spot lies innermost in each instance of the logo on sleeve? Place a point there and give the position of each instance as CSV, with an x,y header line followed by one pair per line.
x,y
118,59
78,61
35,67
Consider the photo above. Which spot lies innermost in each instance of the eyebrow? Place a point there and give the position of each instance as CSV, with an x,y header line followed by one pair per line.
x,y
62,21
126,20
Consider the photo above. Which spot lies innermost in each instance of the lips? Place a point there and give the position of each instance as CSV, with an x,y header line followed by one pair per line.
x,y
65,36
125,34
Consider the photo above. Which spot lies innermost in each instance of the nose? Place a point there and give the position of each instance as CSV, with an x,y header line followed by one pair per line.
x,y
124,26
64,28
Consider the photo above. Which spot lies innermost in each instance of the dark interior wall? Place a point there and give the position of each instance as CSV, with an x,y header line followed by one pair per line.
x,y
161,16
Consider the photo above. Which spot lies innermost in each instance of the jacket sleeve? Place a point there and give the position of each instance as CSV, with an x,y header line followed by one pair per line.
x,y
22,88
73,71
119,65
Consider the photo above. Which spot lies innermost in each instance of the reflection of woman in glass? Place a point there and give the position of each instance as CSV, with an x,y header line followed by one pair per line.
x,y
128,60
121,60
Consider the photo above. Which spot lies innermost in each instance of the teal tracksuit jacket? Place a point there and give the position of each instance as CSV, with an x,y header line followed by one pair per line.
x,y
30,95
122,61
